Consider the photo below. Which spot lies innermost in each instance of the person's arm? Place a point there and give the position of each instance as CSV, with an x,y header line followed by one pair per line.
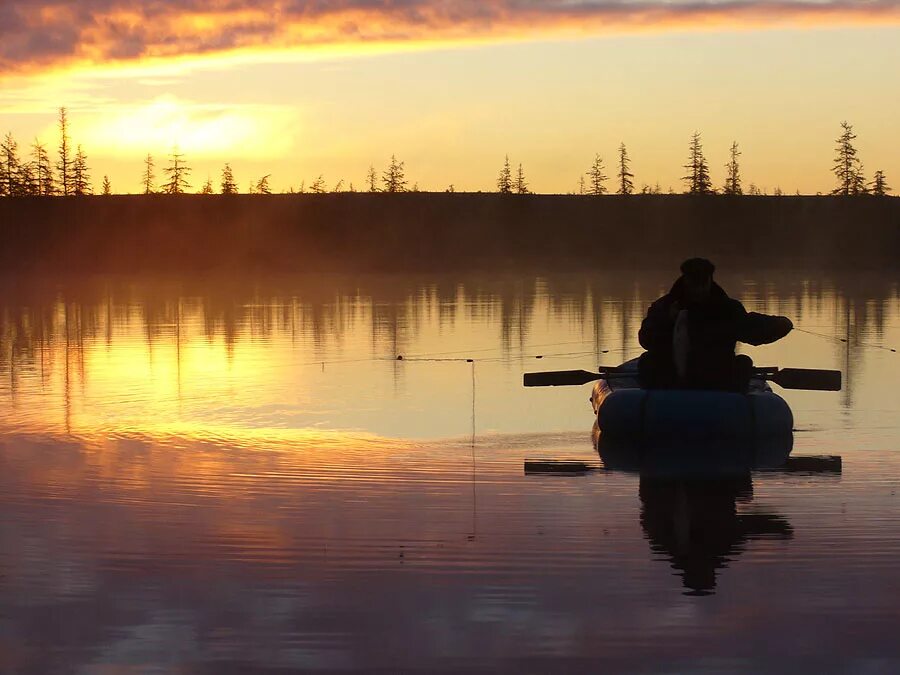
x,y
762,329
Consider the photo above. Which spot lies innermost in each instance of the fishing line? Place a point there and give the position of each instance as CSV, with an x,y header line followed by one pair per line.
x,y
845,341
426,355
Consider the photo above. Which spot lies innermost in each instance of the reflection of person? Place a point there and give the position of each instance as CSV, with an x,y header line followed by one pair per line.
x,y
691,332
695,522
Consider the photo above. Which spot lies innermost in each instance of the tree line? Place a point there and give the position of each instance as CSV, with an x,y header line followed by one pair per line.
x,y
35,175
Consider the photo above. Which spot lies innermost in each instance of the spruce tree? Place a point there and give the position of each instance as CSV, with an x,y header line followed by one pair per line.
x,y
207,188
149,178
81,178
318,186
177,172
372,179
697,178
43,171
733,180
597,177
394,179
626,186
504,181
28,184
880,188
229,187
64,165
847,167
521,185
262,185
107,188
9,167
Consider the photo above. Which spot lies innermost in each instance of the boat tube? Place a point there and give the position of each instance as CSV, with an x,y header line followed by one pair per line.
x,y
625,411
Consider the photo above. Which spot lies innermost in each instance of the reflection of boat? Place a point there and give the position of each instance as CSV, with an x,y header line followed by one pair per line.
x,y
626,411
696,523
692,458
690,493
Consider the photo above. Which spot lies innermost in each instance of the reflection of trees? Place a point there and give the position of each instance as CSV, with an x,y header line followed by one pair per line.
x,y
696,523
39,315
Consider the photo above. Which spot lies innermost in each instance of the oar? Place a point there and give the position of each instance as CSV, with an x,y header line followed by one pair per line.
x,y
806,378
561,378
789,378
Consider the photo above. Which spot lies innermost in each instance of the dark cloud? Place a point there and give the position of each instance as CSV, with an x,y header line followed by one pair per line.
x,y
36,34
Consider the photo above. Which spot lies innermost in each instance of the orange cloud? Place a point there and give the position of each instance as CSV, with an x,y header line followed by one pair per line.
x,y
41,34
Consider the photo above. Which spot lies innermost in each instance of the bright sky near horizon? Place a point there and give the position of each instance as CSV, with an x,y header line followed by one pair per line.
x,y
299,88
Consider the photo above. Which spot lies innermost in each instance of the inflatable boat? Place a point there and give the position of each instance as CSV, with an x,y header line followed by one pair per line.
x,y
625,411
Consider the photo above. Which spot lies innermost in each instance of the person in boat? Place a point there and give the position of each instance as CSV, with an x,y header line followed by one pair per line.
x,y
690,334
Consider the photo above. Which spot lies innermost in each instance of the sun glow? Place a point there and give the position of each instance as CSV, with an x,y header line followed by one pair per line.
x,y
199,130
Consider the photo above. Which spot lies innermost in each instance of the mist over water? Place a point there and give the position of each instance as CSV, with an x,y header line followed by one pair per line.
x,y
237,471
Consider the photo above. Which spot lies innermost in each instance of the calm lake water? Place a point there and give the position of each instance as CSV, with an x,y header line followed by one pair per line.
x,y
223,474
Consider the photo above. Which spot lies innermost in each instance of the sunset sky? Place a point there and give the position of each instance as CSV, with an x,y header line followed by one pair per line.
x,y
296,89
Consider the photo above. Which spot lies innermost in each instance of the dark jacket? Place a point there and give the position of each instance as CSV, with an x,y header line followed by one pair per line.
x,y
714,327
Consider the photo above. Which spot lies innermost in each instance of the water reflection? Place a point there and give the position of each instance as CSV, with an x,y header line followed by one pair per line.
x,y
165,345
698,525
231,473
697,502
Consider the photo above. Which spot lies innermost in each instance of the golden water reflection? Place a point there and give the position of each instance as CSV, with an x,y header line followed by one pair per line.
x,y
153,355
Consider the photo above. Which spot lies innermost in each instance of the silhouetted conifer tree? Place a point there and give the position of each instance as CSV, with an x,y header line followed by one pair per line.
x,y
521,186
318,186
149,178
597,177
880,188
372,179
394,179
339,186
9,167
229,187
28,184
351,188
626,186
43,171
208,188
177,172
262,185
450,188
81,178
733,169
504,181
107,188
847,166
64,165
581,184
697,178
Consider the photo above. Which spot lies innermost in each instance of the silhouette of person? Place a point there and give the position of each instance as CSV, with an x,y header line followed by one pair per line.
x,y
690,334
696,524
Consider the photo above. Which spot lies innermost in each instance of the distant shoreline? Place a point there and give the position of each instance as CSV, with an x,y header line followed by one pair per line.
x,y
420,231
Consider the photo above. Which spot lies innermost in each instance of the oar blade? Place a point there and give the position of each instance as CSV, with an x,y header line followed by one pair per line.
x,y
560,378
805,378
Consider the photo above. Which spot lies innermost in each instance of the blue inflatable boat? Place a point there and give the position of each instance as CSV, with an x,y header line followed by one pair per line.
x,y
627,412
